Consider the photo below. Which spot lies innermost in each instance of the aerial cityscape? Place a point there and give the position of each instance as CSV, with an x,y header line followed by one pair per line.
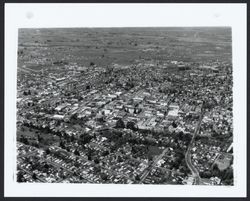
x,y
125,106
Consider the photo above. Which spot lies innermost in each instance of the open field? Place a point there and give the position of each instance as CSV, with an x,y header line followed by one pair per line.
x,y
105,46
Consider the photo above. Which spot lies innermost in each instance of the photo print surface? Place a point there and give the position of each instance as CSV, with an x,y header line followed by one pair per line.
x,y
125,106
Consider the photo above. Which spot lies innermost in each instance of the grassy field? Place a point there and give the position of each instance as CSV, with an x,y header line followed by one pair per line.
x,y
105,46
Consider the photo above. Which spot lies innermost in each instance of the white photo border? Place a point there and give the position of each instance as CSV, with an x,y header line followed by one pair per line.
x,y
51,15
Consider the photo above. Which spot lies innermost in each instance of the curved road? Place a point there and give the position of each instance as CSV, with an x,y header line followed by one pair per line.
x,y
195,172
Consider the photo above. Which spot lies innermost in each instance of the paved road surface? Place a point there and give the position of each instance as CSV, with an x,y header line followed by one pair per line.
x,y
195,172
147,170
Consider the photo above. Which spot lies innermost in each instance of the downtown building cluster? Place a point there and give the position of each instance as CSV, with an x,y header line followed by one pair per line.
x,y
125,123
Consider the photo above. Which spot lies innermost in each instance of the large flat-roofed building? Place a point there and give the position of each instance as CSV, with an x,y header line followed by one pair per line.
x,y
58,117
173,114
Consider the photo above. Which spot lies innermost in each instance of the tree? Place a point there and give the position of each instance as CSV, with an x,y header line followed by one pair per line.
x,y
20,177
150,157
104,176
73,117
207,105
72,138
34,176
120,124
112,149
215,170
228,174
176,164
137,177
46,166
24,140
76,164
58,122
206,174
89,157
174,124
96,161
97,169
101,119
80,98
47,151
75,174
62,145
76,152
119,159
105,153
40,138
131,125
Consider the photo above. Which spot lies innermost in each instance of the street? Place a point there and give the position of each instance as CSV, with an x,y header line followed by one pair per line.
x,y
195,172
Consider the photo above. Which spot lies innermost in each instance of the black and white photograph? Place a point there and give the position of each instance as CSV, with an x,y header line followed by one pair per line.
x,y
125,106
137,106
